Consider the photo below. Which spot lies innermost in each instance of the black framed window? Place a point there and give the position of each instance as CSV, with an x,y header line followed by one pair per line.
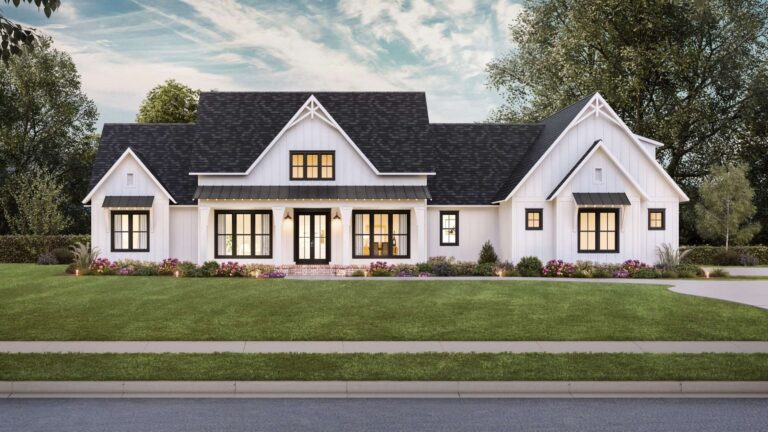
x,y
130,231
656,219
243,234
598,230
449,228
534,219
381,234
313,165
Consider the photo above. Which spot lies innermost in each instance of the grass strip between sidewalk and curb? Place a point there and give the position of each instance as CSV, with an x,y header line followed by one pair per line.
x,y
374,367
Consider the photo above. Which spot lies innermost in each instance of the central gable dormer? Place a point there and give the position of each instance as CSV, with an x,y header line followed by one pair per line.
x,y
313,148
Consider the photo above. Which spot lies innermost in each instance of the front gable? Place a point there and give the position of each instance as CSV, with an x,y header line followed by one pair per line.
x,y
597,121
313,129
116,180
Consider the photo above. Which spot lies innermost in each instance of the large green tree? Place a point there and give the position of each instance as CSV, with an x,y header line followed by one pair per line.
x,y
682,72
169,102
14,36
725,209
46,124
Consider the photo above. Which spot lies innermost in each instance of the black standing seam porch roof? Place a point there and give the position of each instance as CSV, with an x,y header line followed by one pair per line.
x,y
601,198
313,192
127,201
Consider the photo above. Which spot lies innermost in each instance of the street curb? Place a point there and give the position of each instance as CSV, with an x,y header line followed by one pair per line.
x,y
381,389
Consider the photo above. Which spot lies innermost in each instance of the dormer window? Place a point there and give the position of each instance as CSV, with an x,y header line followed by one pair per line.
x,y
312,165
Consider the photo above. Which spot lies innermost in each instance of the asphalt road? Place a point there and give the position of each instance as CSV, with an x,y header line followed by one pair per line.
x,y
189,415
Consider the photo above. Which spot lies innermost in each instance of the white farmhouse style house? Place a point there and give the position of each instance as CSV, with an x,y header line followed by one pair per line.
x,y
348,178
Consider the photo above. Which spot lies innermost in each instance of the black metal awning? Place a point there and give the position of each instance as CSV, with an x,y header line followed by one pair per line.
x,y
127,201
601,198
312,192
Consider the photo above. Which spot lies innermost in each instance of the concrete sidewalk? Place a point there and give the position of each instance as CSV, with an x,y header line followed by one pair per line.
x,y
380,389
390,347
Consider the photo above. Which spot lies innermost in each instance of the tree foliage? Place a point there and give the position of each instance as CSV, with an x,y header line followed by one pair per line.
x,y
13,36
46,124
169,102
685,73
725,207
33,204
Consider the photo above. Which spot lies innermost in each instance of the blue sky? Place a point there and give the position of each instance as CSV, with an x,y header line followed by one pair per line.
x,y
123,48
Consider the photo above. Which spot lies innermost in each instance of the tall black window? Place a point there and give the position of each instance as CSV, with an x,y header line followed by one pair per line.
x,y
656,219
243,234
312,165
130,231
381,234
449,228
598,230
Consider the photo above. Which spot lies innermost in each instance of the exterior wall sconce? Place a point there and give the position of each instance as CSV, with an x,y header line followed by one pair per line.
x,y
287,216
336,216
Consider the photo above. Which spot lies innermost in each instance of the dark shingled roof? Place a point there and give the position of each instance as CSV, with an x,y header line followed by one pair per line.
x,y
163,148
475,163
386,126
554,125
474,159
313,192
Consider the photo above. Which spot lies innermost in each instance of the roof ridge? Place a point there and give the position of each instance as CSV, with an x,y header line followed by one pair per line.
x,y
590,96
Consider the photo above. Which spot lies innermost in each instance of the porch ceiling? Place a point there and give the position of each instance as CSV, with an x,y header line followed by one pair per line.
x,y
312,192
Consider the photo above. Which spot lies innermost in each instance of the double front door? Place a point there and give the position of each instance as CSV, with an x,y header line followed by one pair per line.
x,y
312,236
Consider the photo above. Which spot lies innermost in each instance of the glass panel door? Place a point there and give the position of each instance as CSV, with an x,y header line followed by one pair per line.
x,y
312,231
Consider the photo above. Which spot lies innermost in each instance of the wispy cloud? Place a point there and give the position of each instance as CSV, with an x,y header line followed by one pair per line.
x,y
124,47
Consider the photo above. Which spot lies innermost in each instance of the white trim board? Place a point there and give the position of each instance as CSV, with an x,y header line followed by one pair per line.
x,y
126,153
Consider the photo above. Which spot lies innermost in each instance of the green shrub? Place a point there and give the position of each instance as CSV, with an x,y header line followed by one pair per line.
x,y
443,269
424,267
209,269
669,274
47,259
26,248
726,258
403,270
488,254
63,255
464,268
188,269
646,273
718,273
704,255
358,273
84,256
529,266
146,269
484,269
505,268
603,271
689,271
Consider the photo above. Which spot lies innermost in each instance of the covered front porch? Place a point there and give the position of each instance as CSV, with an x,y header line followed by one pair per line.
x,y
314,231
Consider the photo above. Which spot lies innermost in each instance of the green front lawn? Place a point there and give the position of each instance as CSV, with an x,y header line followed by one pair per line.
x,y
411,367
42,303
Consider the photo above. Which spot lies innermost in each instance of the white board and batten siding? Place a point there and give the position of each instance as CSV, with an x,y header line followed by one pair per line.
x,y
117,184
558,238
477,224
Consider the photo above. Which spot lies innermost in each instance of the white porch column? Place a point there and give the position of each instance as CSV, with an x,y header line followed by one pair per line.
x,y
277,236
203,214
346,235
421,234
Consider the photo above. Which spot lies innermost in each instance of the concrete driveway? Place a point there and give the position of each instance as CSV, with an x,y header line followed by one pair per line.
x,y
754,293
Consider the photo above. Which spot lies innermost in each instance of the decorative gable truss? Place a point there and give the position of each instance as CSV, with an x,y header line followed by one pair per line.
x,y
311,109
598,107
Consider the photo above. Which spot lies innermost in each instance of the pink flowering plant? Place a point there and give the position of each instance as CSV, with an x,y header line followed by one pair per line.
x,y
231,269
558,268
168,266
274,274
633,266
103,266
381,268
